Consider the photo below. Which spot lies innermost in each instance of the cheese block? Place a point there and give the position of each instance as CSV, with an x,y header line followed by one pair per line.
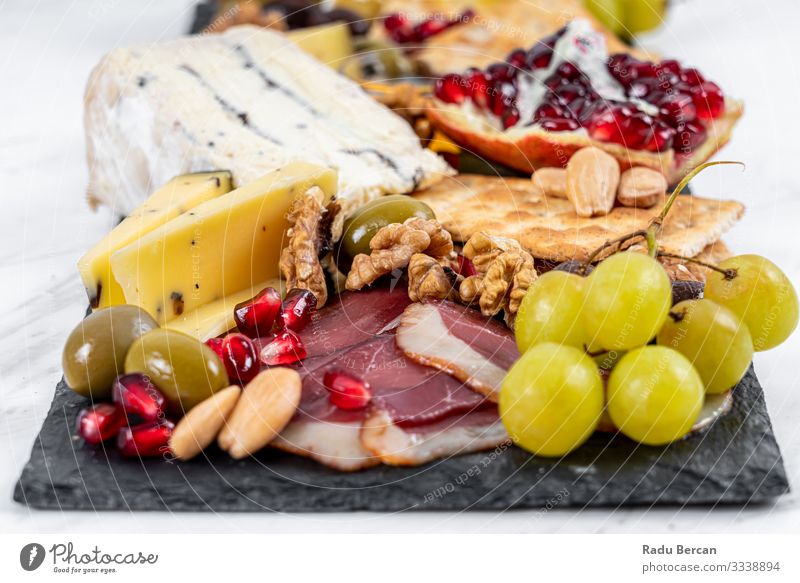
x,y
248,100
175,197
222,246
216,318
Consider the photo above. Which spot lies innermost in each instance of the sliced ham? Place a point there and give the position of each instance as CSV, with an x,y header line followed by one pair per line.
x,y
460,341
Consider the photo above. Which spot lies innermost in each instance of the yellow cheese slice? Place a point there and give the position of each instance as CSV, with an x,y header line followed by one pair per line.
x,y
329,43
216,318
175,197
222,246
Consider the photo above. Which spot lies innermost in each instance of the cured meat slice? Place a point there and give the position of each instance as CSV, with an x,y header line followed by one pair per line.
x,y
353,318
460,341
411,403
397,444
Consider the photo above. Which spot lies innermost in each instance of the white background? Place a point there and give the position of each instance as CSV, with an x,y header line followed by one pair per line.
x,y
47,49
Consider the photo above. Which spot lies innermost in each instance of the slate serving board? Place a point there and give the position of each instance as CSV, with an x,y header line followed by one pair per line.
x,y
736,461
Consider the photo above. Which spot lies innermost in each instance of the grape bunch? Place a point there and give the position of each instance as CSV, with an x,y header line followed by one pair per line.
x,y
611,343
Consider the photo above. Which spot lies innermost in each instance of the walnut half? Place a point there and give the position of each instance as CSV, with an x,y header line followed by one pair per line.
x,y
394,245
300,259
431,279
505,272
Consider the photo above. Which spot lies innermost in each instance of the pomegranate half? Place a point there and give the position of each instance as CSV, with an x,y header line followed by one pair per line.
x,y
565,93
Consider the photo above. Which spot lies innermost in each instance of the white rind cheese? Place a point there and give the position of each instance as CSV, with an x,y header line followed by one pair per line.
x,y
248,101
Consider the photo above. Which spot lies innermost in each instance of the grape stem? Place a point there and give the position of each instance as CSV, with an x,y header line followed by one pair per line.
x,y
728,274
619,241
653,230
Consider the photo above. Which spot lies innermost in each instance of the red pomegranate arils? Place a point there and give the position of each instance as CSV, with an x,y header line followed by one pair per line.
x,y
285,348
347,391
138,397
297,310
240,358
215,344
100,422
655,98
256,316
708,100
146,440
465,267
450,88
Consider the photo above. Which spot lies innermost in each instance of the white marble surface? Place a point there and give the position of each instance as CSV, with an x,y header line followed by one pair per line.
x,y
46,51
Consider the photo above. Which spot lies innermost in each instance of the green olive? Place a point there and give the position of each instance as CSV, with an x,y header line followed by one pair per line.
x,y
95,350
186,370
361,227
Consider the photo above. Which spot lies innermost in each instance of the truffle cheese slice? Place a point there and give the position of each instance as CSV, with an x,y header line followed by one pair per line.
x,y
175,197
220,247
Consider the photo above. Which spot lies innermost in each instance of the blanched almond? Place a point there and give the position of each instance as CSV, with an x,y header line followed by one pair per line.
x,y
641,187
552,181
266,406
197,430
592,181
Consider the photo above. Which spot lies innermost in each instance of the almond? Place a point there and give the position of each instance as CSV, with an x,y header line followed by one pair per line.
x,y
552,181
641,187
197,430
266,406
592,180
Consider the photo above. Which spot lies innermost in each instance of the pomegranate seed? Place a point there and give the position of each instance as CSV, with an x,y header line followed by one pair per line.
x,y
465,267
670,66
451,88
395,21
510,117
502,97
500,72
346,391
297,310
709,100
549,110
559,125
692,135
404,36
215,344
567,70
539,56
518,59
146,440
285,348
693,77
478,87
256,316
240,358
429,28
136,395
100,422
661,137
618,66
676,108
606,126
636,130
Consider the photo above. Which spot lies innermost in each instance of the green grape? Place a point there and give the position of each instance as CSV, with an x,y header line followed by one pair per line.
x,y
654,395
552,399
627,298
713,338
551,312
760,294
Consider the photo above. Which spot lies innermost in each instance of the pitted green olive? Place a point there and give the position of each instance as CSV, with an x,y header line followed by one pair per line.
x,y
94,353
185,370
361,227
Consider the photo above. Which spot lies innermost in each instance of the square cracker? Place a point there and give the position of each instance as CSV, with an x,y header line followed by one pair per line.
x,y
549,228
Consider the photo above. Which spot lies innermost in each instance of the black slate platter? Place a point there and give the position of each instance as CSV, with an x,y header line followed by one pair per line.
x,y
736,461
